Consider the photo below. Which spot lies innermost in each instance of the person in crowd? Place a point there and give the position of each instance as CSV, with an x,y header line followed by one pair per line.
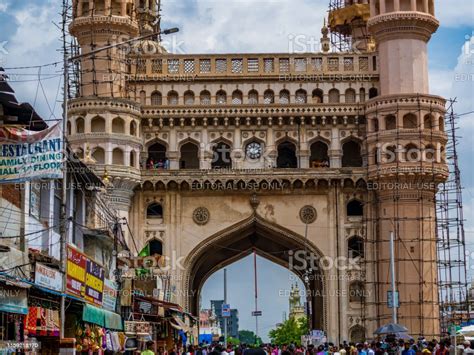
x,y
149,349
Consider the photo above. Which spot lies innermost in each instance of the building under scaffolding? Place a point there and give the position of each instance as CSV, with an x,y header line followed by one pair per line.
x,y
406,144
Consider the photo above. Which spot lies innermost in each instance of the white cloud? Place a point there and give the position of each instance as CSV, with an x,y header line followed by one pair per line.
x,y
245,26
3,6
455,13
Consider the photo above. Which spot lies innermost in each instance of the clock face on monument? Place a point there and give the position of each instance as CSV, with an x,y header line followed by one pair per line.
x,y
254,150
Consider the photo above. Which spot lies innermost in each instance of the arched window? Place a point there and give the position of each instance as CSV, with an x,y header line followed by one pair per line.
x,y
412,153
156,156
318,96
69,128
334,96
221,97
301,97
132,159
391,154
117,156
143,98
268,97
375,122
428,122
355,208
189,156
356,292
221,156
154,210
319,155
133,128
253,97
156,98
155,247
362,95
237,97
284,97
98,124
99,155
173,98
355,247
80,125
430,153
358,334
205,97
118,125
287,156
390,122
410,121
189,98
441,124
350,96
351,154
373,92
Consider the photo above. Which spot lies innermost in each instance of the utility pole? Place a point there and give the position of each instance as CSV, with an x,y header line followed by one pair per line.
x,y
225,303
392,274
64,219
256,295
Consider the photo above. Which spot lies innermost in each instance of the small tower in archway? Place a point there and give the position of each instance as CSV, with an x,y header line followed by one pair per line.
x,y
296,309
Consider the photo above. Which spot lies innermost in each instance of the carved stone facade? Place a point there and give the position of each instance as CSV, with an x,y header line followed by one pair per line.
x,y
256,151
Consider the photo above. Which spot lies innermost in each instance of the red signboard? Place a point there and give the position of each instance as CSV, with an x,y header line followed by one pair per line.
x,y
76,272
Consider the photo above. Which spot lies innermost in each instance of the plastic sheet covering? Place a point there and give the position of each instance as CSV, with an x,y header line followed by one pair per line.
x,y
102,317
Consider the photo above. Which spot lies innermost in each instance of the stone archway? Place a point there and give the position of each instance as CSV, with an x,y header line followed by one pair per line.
x,y
270,241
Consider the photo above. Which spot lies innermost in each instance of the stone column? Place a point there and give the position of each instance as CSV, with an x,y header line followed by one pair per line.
x,y
123,10
335,152
396,5
413,5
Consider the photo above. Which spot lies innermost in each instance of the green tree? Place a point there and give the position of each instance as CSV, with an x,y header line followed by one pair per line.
x,y
248,337
289,332
233,341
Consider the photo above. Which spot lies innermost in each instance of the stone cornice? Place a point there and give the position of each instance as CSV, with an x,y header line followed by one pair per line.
x,y
121,24
87,105
406,102
117,138
402,25
255,110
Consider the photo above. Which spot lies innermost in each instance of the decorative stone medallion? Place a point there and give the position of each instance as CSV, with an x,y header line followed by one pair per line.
x,y
308,214
201,216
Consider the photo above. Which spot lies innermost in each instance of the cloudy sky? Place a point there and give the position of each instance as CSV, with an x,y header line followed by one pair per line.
x,y
29,36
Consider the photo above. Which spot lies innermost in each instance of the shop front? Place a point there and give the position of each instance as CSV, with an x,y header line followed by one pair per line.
x,y
13,312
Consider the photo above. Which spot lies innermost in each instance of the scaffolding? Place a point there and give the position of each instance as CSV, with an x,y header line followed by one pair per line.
x,y
348,25
452,266
440,223
99,73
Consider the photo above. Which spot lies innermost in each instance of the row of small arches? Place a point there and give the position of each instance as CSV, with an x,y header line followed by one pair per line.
x,y
408,121
301,96
287,155
98,125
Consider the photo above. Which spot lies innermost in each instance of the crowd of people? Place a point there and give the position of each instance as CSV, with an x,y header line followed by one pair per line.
x,y
388,347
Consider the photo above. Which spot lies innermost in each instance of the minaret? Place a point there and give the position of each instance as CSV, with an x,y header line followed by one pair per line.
x,y
406,143
105,125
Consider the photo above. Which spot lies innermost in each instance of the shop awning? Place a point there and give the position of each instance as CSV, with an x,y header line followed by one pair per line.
x,y
102,317
13,300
